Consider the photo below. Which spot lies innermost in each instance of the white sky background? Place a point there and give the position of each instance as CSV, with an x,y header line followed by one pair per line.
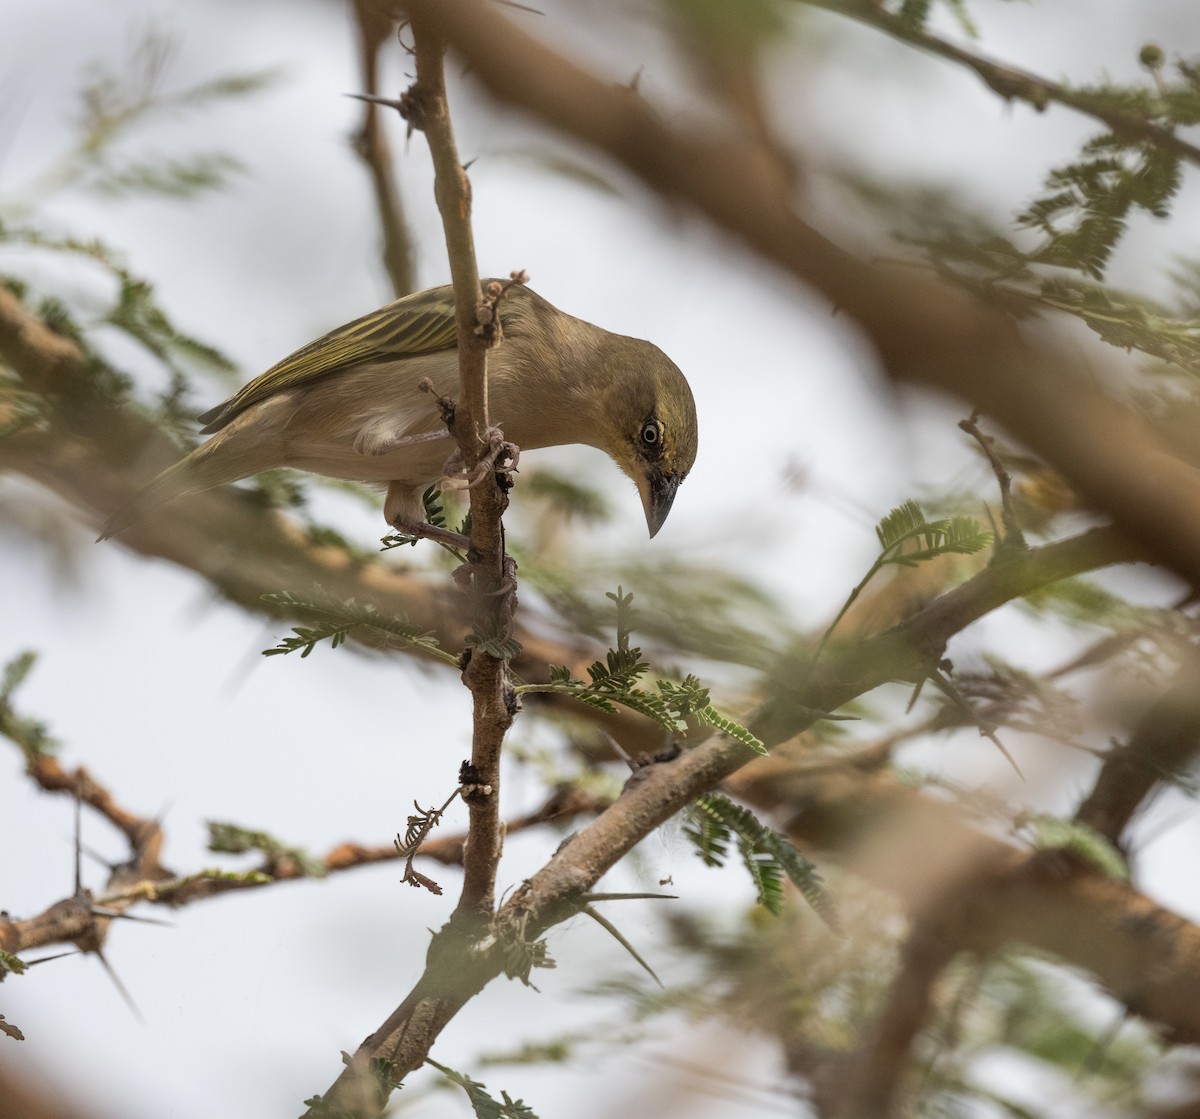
x,y
159,689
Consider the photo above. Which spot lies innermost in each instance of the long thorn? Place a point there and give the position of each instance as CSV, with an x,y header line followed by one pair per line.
x,y
615,933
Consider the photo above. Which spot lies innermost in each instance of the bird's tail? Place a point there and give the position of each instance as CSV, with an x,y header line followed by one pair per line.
x,y
222,459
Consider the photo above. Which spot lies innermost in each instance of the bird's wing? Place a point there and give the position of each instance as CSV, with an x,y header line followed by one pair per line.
x,y
418,324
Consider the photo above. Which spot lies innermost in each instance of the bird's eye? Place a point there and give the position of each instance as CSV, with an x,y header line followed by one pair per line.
x,y
650,434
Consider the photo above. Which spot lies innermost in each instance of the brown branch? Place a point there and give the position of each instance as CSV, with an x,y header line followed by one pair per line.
x,y
910,650
484,674
1162,746
1014,84
78,919
924,331
455,972
876,1077
144,878
918,848
24,1097
370,142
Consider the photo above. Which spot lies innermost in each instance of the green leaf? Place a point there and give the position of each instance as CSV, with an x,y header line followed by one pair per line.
x,y
501,645
9,1030
561,674
1087,206
625,615
235,840
30,734
173,178
899,525
907,524
10,964
713,821
484,1105
435,513
15,672
736,731
1051,833
708,833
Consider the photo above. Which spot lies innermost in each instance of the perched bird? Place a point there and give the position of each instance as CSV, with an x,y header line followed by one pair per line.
x,y
350,405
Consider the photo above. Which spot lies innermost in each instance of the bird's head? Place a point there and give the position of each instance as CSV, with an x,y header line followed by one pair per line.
x,y
648,422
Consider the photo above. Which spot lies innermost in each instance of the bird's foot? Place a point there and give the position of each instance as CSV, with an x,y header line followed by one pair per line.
x,y
500,456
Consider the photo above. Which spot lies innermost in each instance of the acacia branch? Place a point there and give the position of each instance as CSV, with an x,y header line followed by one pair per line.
x,y
485,674
1014,84
144,877
884,1057
454,971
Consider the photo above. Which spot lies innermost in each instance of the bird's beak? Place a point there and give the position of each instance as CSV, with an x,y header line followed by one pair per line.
x,y
658,494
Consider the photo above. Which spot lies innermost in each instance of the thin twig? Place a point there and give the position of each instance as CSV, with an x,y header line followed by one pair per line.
x,y
1014,84
370,142
1013,536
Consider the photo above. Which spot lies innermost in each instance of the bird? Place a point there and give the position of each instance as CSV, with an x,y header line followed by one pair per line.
x,y
361,403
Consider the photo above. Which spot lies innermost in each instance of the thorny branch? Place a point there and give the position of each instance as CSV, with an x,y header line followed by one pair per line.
x,y
491,573
144,878
446,981
458,970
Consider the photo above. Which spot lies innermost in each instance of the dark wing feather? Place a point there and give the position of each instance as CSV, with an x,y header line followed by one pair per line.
x,y
417,324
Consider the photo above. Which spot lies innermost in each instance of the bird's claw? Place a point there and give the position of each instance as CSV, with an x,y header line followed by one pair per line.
x,y
500,456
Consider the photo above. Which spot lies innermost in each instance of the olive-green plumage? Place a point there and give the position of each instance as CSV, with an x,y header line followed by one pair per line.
x,y
349,405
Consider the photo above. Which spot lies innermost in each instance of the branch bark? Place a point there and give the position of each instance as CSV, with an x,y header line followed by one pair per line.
x,y
485,674
1162,746
457,965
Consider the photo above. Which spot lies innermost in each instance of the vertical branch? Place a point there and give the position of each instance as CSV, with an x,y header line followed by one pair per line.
x,y
454,971
875,1088
370,142
492,576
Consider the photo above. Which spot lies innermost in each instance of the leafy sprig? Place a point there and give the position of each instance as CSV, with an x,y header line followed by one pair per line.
x,y
31,735
1087,203
616,681
713,822
1052,833
906,538
484,1105
334,622
233,839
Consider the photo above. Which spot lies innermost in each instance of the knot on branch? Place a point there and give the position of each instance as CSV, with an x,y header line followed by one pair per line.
x,y
413,106
487,319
